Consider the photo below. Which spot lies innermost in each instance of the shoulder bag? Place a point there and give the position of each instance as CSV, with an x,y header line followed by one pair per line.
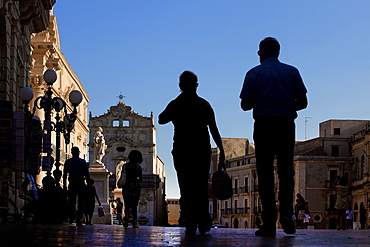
x,y
222,184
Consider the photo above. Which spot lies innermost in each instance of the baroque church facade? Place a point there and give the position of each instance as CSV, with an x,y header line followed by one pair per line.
x,y
124,131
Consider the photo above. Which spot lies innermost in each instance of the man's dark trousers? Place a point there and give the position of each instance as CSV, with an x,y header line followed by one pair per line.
x,y
274,137
77,189
192,174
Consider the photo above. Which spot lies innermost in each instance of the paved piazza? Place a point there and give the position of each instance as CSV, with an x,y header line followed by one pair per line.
x,y
115,235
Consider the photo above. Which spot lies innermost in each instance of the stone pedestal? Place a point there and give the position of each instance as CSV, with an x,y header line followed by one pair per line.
x,y
100,174
117,193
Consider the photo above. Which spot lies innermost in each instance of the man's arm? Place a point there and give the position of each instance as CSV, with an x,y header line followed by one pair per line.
x,y
216,137
301,102
166,115
246,104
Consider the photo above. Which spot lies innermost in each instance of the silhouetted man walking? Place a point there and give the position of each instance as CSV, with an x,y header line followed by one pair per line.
x,y
275,91
78,171
191,117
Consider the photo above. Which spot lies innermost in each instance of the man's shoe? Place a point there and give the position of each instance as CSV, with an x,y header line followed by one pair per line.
x,y
203,228
78,223
287,224
265,232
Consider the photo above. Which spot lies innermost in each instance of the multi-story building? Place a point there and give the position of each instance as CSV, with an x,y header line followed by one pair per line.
x,y
46,54
234,148
19,20
340,150
360,175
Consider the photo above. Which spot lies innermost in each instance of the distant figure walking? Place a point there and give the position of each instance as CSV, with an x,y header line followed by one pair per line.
x,y
257,220
275,91
363,212
131,190
300,211
119,211
191,116
349,218
77,170
342,203
90,201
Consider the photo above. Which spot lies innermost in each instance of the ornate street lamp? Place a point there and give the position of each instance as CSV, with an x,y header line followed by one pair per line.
x,y
48,103
26,95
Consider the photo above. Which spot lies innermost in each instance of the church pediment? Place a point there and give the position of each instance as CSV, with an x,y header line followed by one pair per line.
x,y
121,110
120,141
124,111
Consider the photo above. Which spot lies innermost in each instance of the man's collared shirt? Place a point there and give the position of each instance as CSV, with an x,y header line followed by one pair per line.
x,y
273,87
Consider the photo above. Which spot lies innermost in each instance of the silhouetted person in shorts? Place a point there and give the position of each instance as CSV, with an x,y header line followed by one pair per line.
x,y
192,117
275,91
90,196
77,171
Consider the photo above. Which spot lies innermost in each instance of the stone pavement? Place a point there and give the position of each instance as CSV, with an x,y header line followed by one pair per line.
x,y
115,235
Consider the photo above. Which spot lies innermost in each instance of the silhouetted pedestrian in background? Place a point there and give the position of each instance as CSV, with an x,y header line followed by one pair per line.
x,y
306,215
119,211
362,216
349,218
342,203
77,170
114,207
275,91
301,208
131,190
257,220
90,200
191,117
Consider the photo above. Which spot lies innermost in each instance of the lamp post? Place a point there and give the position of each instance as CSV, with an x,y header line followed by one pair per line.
x,y
49,104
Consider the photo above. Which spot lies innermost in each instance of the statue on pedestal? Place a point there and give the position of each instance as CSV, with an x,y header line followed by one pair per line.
x,y
99,150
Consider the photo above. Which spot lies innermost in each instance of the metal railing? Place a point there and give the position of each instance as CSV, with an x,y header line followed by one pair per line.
x,y
235,211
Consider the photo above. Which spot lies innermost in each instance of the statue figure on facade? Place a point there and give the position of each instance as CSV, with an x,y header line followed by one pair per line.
x,y
99,146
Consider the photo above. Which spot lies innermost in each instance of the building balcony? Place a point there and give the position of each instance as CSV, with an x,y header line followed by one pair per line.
x,y
241,190
230,211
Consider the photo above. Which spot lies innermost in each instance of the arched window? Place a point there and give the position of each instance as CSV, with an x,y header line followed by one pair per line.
x,y
236,223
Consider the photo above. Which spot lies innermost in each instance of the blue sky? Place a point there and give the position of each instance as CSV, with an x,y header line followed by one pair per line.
x,y
141,47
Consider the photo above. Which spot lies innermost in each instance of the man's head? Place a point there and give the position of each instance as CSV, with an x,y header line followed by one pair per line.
x,y
75,151
269,47
188,82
